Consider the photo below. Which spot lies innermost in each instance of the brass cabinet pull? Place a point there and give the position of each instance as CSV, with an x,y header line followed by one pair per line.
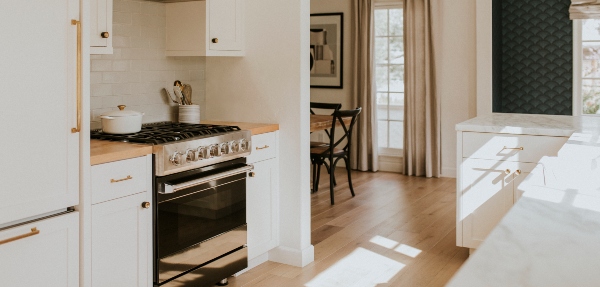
x,y
145,204
517,172
122,179
33,232
507,171
104,35
264,147
78,128
215,40
252,174
515,148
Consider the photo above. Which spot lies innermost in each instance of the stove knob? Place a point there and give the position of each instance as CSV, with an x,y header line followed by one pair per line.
x,y
244,145
191,155
203,153
214,150
176,158
235,146
223,148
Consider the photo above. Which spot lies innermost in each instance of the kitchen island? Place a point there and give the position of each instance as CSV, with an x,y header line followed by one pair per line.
x,y
550,237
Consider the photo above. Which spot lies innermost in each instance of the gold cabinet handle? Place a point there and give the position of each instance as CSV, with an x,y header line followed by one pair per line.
x,y
215,40
264,147
78,128
517,172
507,171
513,148
104,35
122,179
252,174
33,232
145,204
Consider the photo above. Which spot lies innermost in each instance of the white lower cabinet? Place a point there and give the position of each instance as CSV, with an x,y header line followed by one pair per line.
x,y
491,170
122,224
262,212
42,253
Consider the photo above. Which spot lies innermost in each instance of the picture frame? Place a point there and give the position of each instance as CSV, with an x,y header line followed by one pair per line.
x,y
326,50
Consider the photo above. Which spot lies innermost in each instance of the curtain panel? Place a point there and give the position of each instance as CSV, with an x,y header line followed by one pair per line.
x,y
422,125
584,9
364,142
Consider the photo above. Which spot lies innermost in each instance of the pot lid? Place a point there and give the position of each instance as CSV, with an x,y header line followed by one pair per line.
x,y
122,112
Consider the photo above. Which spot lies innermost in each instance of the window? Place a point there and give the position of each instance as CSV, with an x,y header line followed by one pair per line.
x,y
389,74
586,68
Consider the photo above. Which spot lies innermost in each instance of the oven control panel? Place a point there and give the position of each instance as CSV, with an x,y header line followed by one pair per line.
x,y
186,155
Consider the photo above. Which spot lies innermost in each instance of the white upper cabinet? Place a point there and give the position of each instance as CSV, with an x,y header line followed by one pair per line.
x,y
205,28
40,153
101,12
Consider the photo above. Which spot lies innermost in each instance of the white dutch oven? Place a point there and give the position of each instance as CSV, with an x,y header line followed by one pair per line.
x,y
121,121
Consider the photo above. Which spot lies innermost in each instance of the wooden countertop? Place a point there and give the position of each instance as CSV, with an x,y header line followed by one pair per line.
x,y
106,151
255,128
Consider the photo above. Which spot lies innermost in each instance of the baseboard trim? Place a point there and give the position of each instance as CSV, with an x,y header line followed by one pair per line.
x,y
448,172
294,257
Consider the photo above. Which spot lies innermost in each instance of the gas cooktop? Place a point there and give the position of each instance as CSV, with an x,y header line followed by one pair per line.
x,y
165,132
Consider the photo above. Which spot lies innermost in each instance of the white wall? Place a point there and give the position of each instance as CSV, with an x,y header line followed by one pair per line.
x,y
456,73
138,70
270,84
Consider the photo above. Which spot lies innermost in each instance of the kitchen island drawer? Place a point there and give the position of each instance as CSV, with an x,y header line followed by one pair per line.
x,y
119,178
264,146
510,147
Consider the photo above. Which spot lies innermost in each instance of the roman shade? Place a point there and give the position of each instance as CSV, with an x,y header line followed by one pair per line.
x,y
584,9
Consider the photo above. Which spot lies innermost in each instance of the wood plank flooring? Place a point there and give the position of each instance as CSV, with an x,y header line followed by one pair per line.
x,y
397,231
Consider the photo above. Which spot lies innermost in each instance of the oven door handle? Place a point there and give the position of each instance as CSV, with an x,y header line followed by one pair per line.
x,y
177,187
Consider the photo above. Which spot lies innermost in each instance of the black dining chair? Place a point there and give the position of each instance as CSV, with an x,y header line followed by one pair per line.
x,y
331,154
331,108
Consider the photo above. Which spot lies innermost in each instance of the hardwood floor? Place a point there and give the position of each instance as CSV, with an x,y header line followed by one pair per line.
x,y
397,231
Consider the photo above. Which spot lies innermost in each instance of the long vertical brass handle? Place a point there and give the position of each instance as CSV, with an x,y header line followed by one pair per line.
x,y
79,85
33,232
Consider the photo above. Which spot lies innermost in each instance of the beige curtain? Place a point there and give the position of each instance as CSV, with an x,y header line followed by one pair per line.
x,y
364,146
421,105
584,9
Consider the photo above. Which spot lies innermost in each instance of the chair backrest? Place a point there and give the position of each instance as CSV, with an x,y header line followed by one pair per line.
x,y
338,116
325,106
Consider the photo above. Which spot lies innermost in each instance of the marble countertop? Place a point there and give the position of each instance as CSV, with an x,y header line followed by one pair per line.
x,y
551,236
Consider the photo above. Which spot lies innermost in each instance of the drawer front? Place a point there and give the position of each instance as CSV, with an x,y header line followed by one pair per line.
x,y
264,146
522,148
120,178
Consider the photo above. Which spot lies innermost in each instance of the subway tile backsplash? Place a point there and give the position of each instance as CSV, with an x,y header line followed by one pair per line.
x,y
138,70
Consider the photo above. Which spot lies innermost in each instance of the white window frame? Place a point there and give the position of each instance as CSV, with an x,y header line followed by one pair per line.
x,y
577,65
379,4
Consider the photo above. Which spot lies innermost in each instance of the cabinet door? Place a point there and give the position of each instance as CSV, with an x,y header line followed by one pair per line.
x,y
40,154
528,175
100,22
120,237
47,258
486,197
225,24
262,207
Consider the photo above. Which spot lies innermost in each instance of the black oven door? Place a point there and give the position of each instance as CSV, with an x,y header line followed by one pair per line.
x,y
195,207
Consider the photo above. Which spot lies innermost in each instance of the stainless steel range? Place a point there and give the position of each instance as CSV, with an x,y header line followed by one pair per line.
x,y
199,200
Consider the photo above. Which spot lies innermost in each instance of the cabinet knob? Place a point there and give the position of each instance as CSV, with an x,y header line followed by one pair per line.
x,y
252,174
518,172
104,35
146,204
507,171
215,40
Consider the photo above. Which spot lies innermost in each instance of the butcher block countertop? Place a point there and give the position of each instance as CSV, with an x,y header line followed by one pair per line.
x,y
106,151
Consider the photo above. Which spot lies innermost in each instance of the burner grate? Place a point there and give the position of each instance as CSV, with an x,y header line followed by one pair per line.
x,y
165,132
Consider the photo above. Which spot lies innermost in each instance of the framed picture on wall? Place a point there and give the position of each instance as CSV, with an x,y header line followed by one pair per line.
x,y
326,50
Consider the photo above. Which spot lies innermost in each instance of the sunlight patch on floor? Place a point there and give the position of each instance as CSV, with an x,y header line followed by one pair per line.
x,y
385,242
408,250
361,268
400,248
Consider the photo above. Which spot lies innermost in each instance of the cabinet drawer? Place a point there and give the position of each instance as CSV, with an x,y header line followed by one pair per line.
x,y
264,146
117,179
523,148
